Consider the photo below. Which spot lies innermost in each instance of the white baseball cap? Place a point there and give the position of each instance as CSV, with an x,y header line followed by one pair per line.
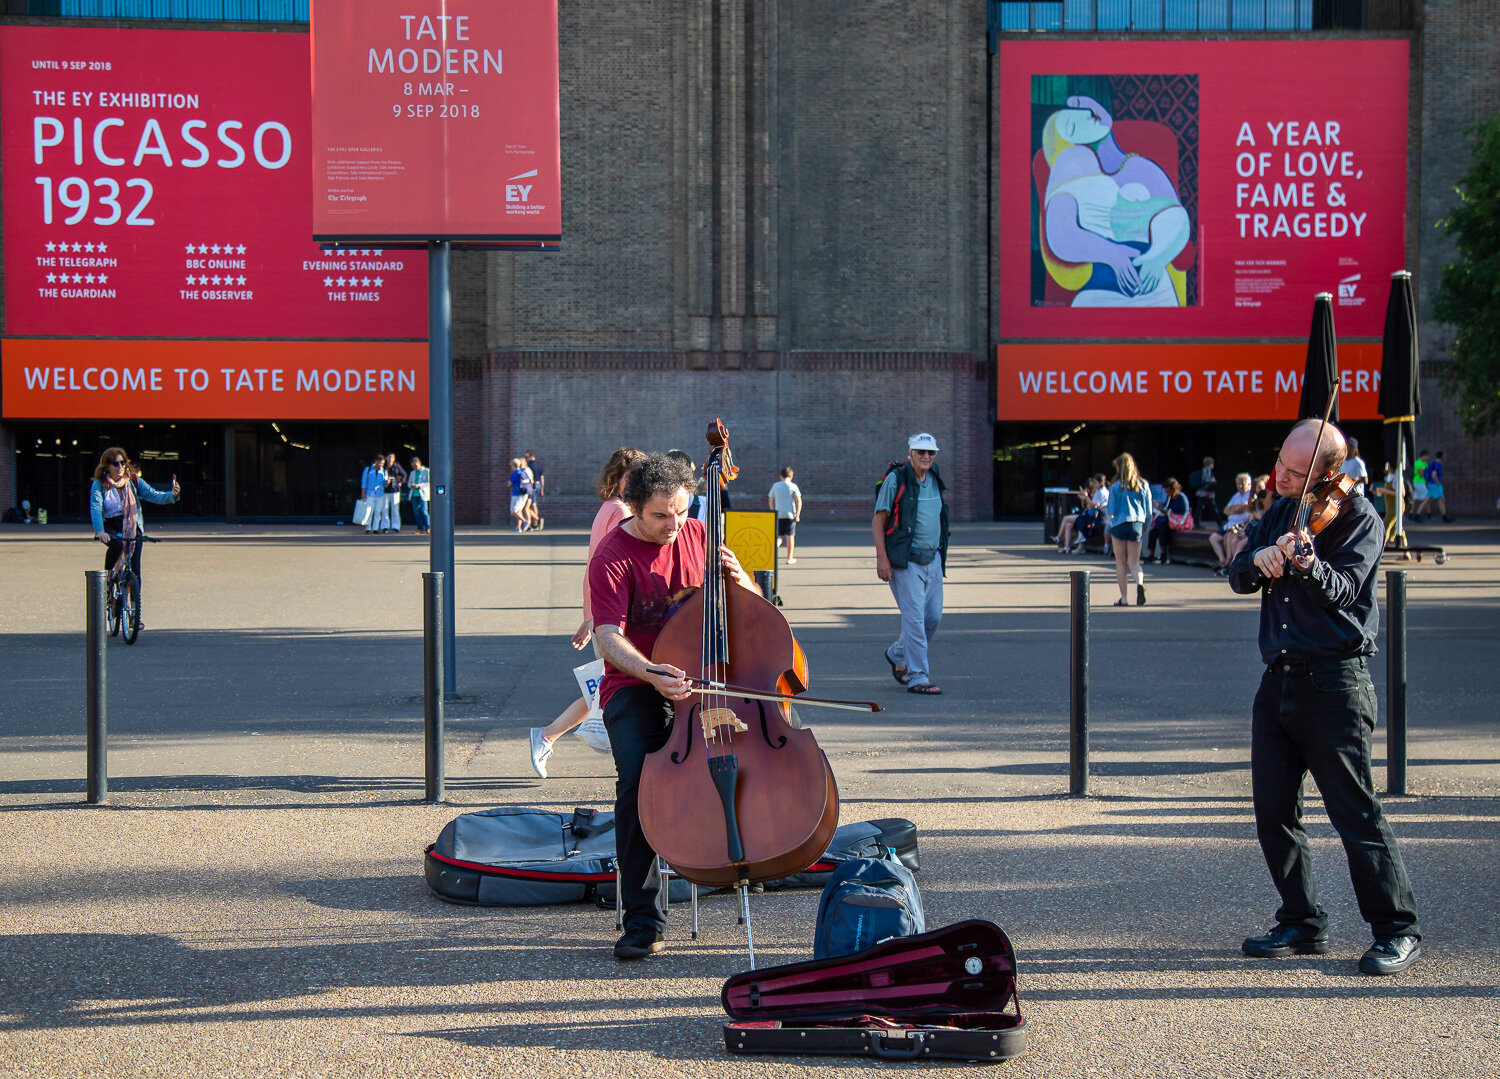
x,y
922,441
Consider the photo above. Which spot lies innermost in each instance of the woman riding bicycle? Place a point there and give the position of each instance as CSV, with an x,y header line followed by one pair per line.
x,y
115,499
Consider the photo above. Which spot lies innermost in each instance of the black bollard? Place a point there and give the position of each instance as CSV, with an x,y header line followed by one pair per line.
x,y
432,682
1395,681
1078,682
96,740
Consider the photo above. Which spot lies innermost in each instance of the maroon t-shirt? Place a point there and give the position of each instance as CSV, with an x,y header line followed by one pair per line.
x,y
638,585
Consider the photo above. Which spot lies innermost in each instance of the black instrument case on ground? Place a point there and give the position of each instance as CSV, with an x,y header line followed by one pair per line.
x,y
938,995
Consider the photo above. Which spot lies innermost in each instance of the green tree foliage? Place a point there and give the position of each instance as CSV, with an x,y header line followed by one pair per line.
x,y
1469,292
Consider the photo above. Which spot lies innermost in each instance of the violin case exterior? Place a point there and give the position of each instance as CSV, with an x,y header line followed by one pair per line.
x,y
945,995
515,856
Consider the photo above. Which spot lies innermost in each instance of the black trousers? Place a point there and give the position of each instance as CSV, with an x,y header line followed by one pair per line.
x,y
1318,718
1160,536
637,719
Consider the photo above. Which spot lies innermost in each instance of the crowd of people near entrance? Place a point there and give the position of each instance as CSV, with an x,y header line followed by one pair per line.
x,y
1139,520
383,485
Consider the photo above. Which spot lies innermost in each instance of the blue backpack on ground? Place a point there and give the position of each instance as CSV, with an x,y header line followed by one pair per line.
x,y
867,900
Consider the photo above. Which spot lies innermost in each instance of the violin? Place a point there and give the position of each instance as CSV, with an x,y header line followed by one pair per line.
x,y
1320,506
737,794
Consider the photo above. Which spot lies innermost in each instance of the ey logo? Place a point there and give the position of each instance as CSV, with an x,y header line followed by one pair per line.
x,y
1347,287
515,192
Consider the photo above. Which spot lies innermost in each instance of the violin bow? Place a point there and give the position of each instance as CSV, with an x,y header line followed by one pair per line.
x,y
707,687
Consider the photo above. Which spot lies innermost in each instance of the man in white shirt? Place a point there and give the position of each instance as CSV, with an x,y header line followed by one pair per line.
x,y
785,498
1354,465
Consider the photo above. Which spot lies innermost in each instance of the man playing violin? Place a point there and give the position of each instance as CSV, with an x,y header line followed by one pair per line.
x,y
1315,709
640,574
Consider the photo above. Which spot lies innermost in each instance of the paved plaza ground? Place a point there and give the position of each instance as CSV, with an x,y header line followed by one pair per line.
x,y
250,900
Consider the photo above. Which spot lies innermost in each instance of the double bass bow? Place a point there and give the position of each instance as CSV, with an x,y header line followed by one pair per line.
x,y
737,795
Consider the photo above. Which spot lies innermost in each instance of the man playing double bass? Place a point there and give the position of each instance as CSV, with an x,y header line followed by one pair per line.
x,y
639,575
1315,709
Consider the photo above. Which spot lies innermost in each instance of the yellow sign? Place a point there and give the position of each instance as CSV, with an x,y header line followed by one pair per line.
x,y
751,535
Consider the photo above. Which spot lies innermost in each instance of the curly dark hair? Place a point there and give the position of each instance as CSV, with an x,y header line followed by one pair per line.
x,y
619,463
658,474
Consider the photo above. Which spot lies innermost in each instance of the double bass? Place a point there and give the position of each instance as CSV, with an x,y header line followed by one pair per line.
x,y
738,794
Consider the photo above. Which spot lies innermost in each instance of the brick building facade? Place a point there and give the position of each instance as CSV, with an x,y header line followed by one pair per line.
x,y
781,212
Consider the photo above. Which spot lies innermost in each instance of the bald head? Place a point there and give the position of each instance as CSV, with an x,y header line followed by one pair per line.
x,y
1297,453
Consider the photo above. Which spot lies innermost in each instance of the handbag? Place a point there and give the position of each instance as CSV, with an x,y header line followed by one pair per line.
x,y
592,729
1180,522
361,512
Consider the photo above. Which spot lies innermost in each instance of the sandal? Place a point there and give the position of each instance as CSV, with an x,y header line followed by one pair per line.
x,y
927,689
898,673
1121,602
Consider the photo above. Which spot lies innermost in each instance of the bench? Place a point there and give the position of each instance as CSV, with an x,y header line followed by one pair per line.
x,y
1190,548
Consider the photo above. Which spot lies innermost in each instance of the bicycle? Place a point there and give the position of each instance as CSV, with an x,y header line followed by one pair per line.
x,y
122,604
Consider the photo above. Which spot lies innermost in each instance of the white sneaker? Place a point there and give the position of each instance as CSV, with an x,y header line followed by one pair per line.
x,y
541,749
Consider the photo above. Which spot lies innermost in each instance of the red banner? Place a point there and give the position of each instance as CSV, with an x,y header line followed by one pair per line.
x,y
1217,381
431,124
1203,189
218,380
156,184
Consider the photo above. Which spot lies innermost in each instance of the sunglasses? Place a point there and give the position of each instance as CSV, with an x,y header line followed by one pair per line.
x,y
925,453
115,461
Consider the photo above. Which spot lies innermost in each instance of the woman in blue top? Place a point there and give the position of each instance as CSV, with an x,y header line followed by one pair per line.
x,y
1129,509
115,499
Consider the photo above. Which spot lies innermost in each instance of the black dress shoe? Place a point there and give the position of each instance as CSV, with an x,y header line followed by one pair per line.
x,y
1390,955
638,942
1284,940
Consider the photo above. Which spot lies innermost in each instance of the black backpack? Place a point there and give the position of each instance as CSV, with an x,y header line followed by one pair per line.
x,y
867,900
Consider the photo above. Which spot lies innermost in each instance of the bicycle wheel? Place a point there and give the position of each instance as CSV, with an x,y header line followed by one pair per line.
x,y
130,610
112,608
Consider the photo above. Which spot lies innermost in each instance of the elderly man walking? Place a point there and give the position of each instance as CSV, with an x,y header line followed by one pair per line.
x,y
910,530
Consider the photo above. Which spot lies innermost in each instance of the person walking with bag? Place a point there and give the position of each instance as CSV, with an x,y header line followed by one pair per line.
x,y
612,510
910,530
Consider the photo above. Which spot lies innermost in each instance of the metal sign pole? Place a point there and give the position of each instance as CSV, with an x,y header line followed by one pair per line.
x,y
440,444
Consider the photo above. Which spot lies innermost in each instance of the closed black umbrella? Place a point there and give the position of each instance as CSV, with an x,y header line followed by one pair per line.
x,y
1400,393
1322,370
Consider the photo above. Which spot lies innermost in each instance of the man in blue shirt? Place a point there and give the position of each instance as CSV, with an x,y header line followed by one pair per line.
x,y
1315,709
910,529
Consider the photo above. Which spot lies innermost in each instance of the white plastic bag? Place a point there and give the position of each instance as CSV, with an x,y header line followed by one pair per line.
x,y
592,730
361,513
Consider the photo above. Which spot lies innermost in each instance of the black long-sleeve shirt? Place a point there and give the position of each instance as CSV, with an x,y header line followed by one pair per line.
x,y
1330,611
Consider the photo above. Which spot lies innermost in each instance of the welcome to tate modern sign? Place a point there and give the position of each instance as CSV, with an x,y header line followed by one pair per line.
x,y
435,120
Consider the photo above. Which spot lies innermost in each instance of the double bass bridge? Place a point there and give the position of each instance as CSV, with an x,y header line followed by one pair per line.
x,y
715,718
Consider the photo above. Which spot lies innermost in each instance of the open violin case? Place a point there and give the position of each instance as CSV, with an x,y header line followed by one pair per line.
x,y
945,995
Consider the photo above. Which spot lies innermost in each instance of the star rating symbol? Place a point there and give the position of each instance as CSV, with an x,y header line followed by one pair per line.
x,y
51,246
78,279
52,279
214,249
191,279
341,282
203,280
103,278
379,281
89,278
365,282
88,247
241,280
203,249
190,249
376,252
240,250
328,282
216,279
103,247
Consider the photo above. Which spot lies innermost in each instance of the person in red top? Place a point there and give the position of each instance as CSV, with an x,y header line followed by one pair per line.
x,y
640,574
